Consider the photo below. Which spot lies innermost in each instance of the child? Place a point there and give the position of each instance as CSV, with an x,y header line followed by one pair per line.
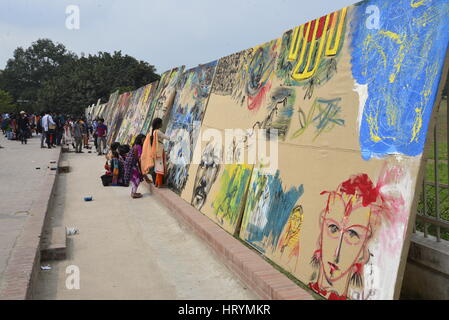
x,y
116,170
109,156
133,172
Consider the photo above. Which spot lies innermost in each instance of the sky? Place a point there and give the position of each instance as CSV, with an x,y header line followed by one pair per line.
x,y
164,33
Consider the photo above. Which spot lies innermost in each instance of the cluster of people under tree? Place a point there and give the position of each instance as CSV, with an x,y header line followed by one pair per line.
x,y
55,129
127,165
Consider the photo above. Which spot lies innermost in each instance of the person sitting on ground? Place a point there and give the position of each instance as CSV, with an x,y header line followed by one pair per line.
x,y
117,169
113,147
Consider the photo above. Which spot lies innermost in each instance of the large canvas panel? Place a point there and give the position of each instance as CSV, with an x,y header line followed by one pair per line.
x,y
285,216
363,164
185,122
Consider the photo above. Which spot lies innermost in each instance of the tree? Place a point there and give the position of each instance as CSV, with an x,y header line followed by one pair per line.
x,y
26,72
48,76
83,81
6,103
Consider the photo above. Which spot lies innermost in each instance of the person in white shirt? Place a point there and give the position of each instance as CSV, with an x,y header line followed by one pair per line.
x,y
47,122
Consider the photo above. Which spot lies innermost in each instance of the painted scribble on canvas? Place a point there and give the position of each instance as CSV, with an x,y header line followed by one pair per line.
x,y
185,122
267,210
207,173
228,203
400,65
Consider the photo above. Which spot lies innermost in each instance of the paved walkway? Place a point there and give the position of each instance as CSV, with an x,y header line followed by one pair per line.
x,y
20,182
128,248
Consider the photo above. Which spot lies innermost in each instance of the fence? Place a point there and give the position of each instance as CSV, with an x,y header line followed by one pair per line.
x,y
433,207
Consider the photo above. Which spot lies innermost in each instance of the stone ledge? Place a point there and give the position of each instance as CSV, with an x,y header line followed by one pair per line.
x,y
265,281
63,166
54,245
24,263
429,252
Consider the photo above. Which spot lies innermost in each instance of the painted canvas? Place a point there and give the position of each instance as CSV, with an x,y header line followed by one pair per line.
x,y
215,185
163,98
122,106
111,107
185,122
338,211
137,113
143,108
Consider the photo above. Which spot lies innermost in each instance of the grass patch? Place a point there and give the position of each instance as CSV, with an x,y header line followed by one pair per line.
x,y
441,134
442,172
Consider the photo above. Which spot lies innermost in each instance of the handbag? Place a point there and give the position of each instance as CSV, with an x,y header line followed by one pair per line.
x,y
106,180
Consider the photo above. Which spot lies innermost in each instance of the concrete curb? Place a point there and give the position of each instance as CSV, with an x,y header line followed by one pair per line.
x,y
267,282
24,264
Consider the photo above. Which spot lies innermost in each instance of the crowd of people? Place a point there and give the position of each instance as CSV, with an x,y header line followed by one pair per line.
x,y
129,165
125,165
55,129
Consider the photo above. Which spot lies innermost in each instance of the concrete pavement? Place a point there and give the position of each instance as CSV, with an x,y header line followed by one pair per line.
x,y
128,248
20,190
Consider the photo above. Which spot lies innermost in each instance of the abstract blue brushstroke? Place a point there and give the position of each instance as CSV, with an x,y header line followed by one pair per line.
x,y
276,211
401,61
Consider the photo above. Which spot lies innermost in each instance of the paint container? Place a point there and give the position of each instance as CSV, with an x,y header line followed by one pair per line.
x,y
71,231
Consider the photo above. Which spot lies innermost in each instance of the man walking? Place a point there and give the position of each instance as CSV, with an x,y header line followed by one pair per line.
x,y
47,123
40,128
94,132
85,132
24,127
59,129
102,131
78,135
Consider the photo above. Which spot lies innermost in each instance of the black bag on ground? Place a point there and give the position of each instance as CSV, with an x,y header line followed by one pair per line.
x,y
106,179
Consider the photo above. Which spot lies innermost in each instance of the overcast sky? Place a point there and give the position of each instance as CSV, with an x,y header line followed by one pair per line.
x,y
165,33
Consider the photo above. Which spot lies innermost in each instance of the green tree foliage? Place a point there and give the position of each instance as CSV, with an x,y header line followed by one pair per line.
x,y
85,80
26,72
48,76
6,103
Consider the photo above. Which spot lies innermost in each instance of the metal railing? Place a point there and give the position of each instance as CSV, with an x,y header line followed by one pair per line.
x,y
433,207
